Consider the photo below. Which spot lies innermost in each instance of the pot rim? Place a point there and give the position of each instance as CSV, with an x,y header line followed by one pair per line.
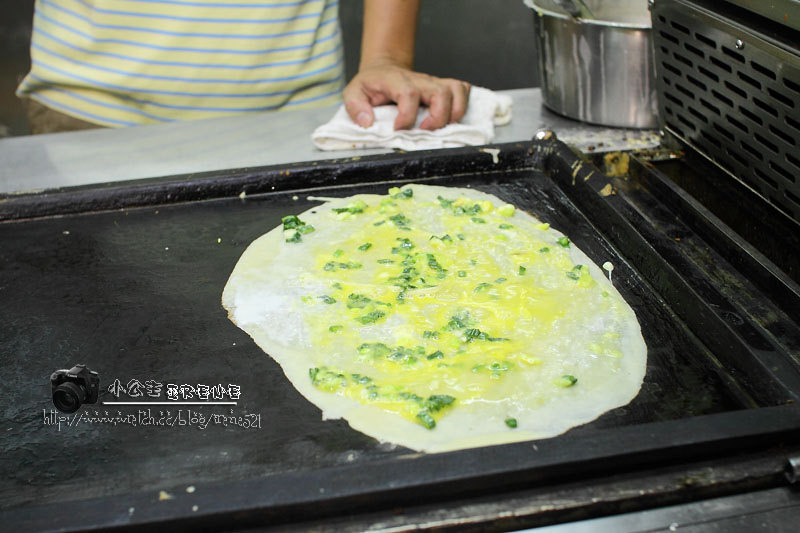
x,y
594,22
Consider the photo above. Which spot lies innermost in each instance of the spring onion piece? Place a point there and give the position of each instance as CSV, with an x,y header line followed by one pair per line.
x,y
333,266
357,301
400,220
481,286
352,208
567,381
371,317
300,228
403,194
511,422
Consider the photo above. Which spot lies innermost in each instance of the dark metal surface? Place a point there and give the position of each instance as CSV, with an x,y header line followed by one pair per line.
x,y
582,499
731,89
770,511
134,293
786,12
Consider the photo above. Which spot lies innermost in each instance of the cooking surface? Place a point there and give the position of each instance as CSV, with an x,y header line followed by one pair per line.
x,y
135,294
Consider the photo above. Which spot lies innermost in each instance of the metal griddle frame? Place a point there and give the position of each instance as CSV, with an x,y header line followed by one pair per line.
x,y
643,234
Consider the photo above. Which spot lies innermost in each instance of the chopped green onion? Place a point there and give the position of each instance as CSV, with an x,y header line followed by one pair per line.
x,y
335,329
567,381
399,220
337,253
426,419
470,211
446,204
371,317
505,226
481,286
544,250
385,261
522,270
404,194
291,222
459,321
462,274
353,208
305,229
563,241
500,280
405,245
511,422
437,402
478,220
357,301
375,350
366,246
474,333
327,299
430,335
332,266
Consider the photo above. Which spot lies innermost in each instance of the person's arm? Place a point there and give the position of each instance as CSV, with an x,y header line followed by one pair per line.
x,y
385,72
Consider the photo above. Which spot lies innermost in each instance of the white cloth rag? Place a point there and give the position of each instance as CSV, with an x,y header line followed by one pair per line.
x,y
486,110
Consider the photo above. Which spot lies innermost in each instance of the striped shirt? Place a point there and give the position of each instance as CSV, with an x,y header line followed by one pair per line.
x,y
126,62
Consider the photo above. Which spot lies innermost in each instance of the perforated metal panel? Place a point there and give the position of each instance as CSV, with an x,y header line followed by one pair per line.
x,y
732,94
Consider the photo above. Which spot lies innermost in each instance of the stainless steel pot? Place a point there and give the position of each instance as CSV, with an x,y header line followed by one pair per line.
x,y
601,69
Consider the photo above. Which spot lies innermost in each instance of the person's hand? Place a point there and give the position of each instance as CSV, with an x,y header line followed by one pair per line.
x,y
386,82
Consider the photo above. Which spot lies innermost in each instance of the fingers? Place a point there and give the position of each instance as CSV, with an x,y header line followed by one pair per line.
x,y
460,99
447,99
439,103
407,101
358,106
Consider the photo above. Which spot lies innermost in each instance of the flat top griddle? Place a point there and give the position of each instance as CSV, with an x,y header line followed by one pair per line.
x,y
127,279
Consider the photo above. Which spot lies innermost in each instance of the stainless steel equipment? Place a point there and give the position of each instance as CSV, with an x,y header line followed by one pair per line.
x,y
730,87
597,70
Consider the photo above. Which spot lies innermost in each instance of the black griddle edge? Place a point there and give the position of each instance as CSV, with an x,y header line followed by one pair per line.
x,y
387,484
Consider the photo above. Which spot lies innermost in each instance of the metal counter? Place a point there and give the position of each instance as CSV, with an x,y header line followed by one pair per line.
x,y
108,155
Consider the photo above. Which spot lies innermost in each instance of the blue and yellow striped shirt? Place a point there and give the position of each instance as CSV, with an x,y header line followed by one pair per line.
x,y
126,62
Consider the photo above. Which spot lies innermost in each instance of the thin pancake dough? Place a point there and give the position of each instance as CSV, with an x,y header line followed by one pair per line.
x,y
438,318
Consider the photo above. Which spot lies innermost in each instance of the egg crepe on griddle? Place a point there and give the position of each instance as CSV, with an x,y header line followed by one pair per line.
x,y
438,318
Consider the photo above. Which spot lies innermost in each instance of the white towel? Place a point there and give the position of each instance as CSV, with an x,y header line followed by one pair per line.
x,y
486,110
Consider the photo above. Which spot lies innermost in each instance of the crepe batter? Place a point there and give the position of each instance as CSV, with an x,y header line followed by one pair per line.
x,y
438,318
